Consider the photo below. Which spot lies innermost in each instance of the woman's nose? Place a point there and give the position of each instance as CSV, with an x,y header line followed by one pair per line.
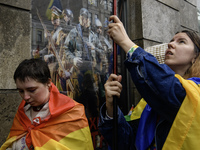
x,y
171,45
26,96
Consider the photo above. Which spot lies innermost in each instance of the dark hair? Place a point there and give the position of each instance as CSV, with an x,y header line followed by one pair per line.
x,y
32,68
194,70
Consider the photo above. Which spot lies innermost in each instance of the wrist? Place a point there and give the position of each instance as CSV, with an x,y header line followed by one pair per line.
x,y
131,50
126,45
109,105
107,116
109,110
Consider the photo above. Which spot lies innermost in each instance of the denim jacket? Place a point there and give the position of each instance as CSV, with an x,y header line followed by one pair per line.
x,y
162,91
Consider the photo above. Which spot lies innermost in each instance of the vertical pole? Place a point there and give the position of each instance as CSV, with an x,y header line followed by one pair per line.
x,y
115,117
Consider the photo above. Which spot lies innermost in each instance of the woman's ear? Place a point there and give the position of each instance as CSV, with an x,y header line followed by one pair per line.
x,y
49,82
195,57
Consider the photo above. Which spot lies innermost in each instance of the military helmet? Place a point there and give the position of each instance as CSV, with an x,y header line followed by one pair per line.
x,y
69,13
84,12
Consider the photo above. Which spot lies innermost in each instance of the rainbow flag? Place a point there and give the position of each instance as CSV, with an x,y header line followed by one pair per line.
x,y
66,129
135,113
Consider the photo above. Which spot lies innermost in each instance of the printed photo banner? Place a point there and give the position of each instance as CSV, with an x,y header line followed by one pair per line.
x,y
71,36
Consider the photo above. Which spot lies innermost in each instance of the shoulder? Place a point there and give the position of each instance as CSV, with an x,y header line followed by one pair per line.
x,y
195,79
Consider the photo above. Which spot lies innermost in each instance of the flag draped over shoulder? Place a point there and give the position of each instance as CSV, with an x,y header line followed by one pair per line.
x,y
66,128
185,133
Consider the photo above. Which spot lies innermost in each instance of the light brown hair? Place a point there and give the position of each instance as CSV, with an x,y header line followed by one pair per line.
x,y
194,70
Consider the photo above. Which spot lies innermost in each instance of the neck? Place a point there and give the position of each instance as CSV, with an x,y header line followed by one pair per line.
x,y
181,70
38,108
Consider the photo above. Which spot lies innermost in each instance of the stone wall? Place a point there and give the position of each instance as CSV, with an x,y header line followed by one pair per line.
x,y
15,43
9,101
156,21
153,22
198,6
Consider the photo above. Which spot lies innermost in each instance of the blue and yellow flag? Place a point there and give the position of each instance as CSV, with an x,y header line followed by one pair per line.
x,y
185,133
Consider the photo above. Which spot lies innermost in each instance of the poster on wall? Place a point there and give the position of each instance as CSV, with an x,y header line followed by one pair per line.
x,y
71,36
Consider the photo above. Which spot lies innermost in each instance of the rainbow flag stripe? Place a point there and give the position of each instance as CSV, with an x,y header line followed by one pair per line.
x,y
66,129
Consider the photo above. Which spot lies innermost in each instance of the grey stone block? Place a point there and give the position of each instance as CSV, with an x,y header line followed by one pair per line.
x,y
171,3
188,16
15,39
135,19
159,20
193,2
22,4
9,102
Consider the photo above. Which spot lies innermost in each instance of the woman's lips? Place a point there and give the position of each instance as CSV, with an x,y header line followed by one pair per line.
x,y
168,53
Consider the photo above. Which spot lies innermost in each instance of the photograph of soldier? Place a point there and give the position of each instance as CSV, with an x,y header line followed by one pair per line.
x,y
78,48
100,54
77,55
55,57
77,51
68,16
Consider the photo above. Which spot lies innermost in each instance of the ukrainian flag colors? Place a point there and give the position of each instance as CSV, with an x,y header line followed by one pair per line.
x,y
66,128
185,133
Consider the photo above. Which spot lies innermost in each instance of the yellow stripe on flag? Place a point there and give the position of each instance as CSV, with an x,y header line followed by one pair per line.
x,y
8,142
136,114
184,133
77,140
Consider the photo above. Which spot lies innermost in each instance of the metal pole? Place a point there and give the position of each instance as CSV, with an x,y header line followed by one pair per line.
x,y
115,118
